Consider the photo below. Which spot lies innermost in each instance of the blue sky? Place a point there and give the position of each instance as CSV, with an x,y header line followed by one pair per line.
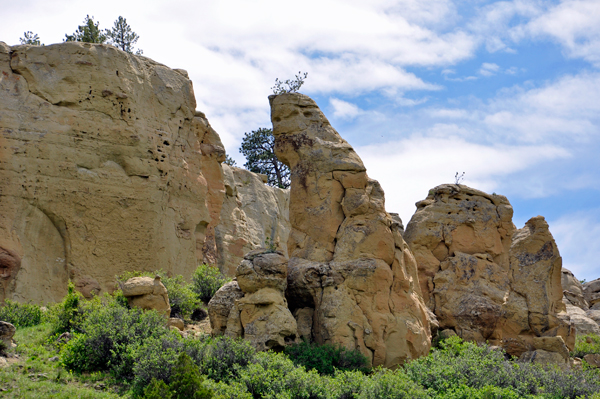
x,y
506,91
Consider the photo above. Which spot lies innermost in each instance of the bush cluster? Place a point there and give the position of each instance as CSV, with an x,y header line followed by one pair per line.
x,y
587,344
186,383
21,314
326,358
207,280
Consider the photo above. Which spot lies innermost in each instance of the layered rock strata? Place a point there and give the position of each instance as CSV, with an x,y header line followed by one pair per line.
x,y
254,306
104,167
484,278
252,213
352,279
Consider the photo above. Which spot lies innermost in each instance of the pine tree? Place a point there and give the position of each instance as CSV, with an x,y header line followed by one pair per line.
x,y
89,32
31,38
258,147
122,37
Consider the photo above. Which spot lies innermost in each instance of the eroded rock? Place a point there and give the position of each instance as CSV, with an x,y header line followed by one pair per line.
x,y
257,312
482,277
105,167
348,263
147,293
252,212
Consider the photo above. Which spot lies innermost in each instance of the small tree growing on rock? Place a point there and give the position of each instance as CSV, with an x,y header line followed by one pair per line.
x,y
258,147
89,32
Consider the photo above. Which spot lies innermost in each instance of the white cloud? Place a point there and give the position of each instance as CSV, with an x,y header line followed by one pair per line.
x,y
578,238
489,69
408,168
343,109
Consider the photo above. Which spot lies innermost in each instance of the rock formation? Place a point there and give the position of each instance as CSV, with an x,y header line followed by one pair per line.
x,y
481,276
591,292
352,279
254,307
7,331
252,212
578,309
104,167
147,293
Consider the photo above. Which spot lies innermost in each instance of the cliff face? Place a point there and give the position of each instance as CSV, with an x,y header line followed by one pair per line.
x,y
252,212
104,167
484,278
351,278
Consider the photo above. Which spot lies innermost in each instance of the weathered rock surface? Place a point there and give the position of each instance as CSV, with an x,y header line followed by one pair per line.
x,y
104,167
593,359
481,276
591,292
252,212
261,315
7,331
348,262
147,293
582,322
220,306
573,290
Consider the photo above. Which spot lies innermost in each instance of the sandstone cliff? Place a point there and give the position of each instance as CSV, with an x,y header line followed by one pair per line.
x,y
252,212
104,167
352,279
484,278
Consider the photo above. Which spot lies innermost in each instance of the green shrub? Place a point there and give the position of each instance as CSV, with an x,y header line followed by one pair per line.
x,y
387,384
326,358
186,380
155,359
221,358
207,280
182,298
583,347
21,314
66,316
274,375
109,336
459,363
157,389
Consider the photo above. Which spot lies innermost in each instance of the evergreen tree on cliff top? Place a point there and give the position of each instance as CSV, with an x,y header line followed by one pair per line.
x,y
89,32
122,37
258,147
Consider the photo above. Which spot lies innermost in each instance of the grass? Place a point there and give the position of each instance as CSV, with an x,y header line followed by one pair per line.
x,y
36,376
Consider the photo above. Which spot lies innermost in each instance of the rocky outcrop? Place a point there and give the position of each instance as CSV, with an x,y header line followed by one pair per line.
x,y
591,292
481,276
255,304
573,290
147,293
104,167
352,279
252,213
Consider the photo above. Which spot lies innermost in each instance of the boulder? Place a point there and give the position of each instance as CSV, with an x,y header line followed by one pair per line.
x,y
7,331
177,323
593,359
591,291
147,293
484,278
573,290
544,357
106,168
349,264
594,315
582,322
220,306
252,213
259,312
